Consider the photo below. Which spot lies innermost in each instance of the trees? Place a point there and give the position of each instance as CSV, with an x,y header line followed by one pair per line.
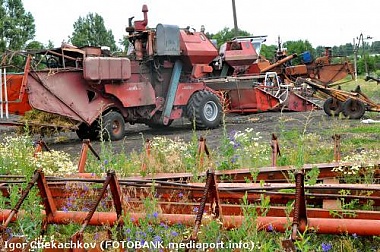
x,y
16,25
227,34
268,51
91,31
298,47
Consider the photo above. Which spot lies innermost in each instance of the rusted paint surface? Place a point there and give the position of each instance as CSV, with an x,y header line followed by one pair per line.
x,y
66,94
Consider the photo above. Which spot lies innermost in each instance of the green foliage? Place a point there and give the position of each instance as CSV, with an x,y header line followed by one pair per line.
x,y
298,47
16,26
91,31
268,51
228,34
34,45
124,44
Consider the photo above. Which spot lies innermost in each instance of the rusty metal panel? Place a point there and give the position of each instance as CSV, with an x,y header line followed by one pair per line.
x,y
296,70
106,68
167,40
197,48
16,106
66,94
240,53
184,92
298,103
133,94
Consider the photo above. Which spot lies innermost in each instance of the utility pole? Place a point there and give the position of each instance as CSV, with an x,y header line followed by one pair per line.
x,y
355,61
235,18
364,56
356,49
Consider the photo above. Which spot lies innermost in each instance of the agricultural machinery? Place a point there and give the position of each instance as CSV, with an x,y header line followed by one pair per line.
x,y
169,73
352,104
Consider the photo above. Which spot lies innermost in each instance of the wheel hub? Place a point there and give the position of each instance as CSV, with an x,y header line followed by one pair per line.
x,y
210,111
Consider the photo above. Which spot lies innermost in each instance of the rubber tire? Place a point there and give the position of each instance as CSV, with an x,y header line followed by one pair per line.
x,y
200,105
88,132
352,112
330,110
113,126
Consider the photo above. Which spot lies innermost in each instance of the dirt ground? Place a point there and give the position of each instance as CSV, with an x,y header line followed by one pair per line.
x,y
265,123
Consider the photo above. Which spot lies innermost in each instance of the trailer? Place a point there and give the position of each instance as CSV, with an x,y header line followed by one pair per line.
x,y
352,104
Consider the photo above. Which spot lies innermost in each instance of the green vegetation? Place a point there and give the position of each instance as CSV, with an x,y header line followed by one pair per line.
x,y
91,31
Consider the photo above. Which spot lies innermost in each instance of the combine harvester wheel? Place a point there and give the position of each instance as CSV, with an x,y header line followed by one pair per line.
x,y
206,108
113,126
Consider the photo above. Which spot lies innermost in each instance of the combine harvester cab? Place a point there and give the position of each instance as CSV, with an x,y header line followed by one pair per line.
x,y
155,84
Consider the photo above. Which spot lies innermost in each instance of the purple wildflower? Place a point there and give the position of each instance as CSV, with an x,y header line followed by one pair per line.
x,y
164,225
326,247
354,235
65,209
180,195
96,236
196,209
157,239
270,227
155,214
174,233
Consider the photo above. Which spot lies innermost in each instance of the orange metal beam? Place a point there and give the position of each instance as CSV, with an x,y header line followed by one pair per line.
x,y
360,227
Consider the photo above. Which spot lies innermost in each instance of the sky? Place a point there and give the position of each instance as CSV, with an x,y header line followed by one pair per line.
x,y
322,22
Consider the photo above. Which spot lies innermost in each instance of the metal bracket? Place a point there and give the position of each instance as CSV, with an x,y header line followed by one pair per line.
x,y
83,155
299,213
112,181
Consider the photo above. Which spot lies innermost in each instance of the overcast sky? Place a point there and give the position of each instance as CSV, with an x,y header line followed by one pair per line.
x,y
321,22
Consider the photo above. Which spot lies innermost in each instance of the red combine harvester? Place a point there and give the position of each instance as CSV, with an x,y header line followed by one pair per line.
x,y
169,73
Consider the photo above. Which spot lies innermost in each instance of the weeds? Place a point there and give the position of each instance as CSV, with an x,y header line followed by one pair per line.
x,y
238,149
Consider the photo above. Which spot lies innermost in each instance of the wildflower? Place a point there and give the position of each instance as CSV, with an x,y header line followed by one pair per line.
x,y
326,247
96,236
196,209
105,162
8,231
132,219
157,239
180,194
248,130
174,233
65,209
127,231
155,214
354,235
141,234
234,159
270,228
164,225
